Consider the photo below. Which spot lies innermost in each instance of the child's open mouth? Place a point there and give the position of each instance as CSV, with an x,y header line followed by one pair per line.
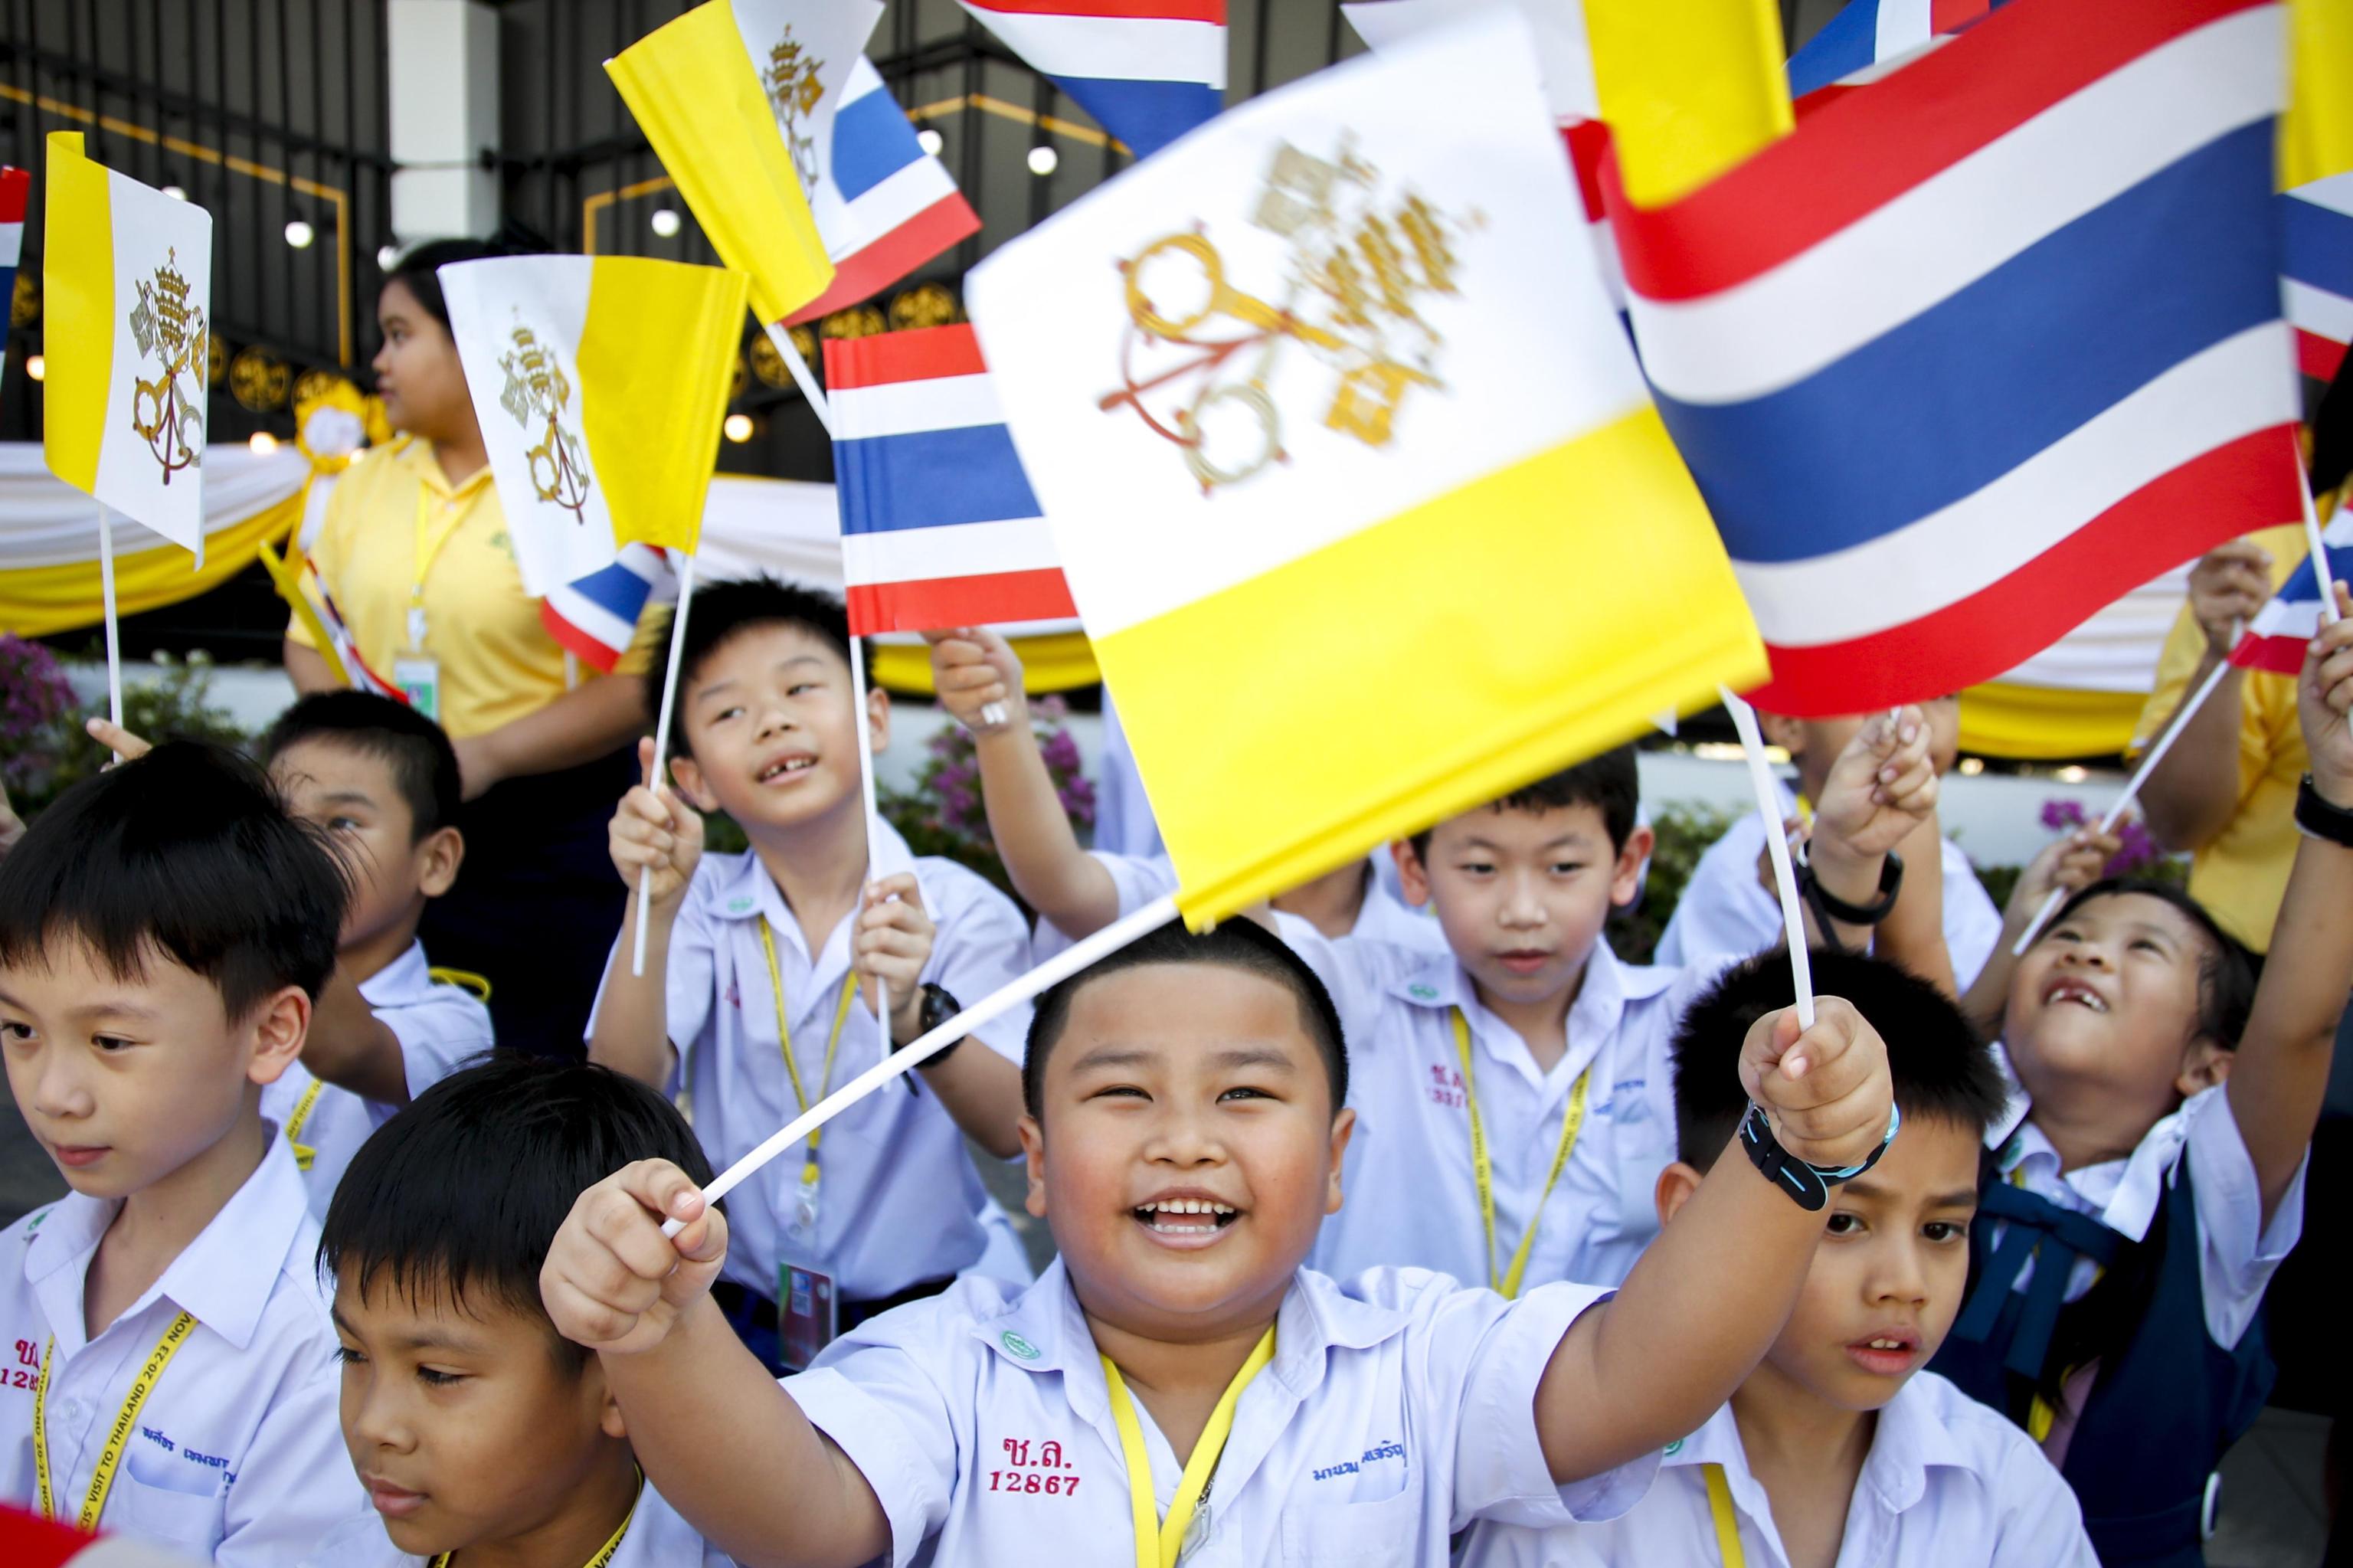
x,y
1186,1219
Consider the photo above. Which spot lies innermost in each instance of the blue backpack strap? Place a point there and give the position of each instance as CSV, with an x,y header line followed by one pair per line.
x,y
2055,1237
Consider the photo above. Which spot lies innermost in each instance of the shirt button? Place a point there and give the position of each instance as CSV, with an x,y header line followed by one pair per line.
x,y
73,1410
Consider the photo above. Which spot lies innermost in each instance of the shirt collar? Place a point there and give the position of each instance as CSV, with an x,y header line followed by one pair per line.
x,y
746,892
1907,1440
222,1278
421,460
2123,1194
399,980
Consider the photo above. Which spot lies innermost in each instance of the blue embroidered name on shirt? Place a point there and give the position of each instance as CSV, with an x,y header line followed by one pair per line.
x,y
195,1458
159,1439
1372,1455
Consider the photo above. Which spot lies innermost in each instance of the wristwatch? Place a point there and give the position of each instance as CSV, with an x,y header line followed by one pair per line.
x,y
938,1008
1809,1186
2316,818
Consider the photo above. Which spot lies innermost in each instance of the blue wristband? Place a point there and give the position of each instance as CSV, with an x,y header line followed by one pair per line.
x,y
1809,1186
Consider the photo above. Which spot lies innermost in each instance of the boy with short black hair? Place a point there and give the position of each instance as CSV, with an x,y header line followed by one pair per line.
x,y
163,930
380,780
477,1429
1189,1141
755,963
1838,1447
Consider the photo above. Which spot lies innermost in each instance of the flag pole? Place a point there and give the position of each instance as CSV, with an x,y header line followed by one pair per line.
x,y
1776,843
873,815
660,781
2317,543
2114,814
782,339
113,627
1060,967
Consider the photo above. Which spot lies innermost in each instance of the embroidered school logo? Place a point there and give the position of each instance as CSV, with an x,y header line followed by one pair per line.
x,y
1384,1449
1421,993
1359,262
793,88
539,397
1018,1347
1673,1448
169,329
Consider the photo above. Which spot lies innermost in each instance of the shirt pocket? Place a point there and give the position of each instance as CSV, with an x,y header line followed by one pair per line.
x,y
1355,1534
187,1518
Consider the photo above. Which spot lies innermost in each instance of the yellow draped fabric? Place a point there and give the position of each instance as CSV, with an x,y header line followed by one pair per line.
x,y
2041,724
36,601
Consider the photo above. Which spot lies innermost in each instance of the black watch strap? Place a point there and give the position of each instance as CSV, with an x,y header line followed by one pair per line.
x,y
1809,1186
1828,907
938,1008
2316,818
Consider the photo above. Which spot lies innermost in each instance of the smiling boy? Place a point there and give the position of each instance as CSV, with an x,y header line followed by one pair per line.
x,y
1176,1374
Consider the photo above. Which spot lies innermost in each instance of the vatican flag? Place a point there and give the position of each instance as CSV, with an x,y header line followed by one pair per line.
x,y
600,382
127,280
1349,467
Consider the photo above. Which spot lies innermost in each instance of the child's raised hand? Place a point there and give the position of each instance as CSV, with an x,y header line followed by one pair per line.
x,y
2324,696
2068,864
979,678
892,942
1826,1089
657,833
2227,586
612,1281
117,739
1883,784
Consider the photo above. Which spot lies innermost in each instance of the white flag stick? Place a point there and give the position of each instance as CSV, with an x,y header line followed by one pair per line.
x,y
2318,545
1062,966
1776,843
2132,792
660,780
782,338
114,630
873,815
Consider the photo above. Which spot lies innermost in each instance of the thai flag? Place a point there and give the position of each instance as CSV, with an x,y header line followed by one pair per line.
x,y
13,182
904,201
938,523
1148,70
2317,271
1871,37
2276,640
595,617
314,587
1967,356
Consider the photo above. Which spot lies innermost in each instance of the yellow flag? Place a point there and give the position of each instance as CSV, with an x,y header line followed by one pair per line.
x,y
1687,89
692,87
2315,136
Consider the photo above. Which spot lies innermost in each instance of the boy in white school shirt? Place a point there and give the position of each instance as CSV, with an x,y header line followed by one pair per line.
x,y
1729,909
163,930
1527,1040
1838,1451
747,952
1176,1374
1077,892
481,1434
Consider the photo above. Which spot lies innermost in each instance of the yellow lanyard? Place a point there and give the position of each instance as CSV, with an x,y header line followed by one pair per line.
x,y
304,1155
605,1552
785,1037
118,1437
1727,1523
426,543
1157,1543
1482,1168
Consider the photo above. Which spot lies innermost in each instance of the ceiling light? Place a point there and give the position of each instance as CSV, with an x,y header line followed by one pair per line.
x,y
737,427
262,442
300,234
388,257
930,140
1044,160
38,367
666,221
177,193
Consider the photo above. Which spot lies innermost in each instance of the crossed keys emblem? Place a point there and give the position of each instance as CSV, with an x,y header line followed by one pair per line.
x,y
168,327
793,88
538,395
1351,279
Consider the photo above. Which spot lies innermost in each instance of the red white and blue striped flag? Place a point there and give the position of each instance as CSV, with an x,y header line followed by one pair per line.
x,y
2276,640
13,184
939,526
1972,352
1148,70
1870,38
2317,271
904,203
595,617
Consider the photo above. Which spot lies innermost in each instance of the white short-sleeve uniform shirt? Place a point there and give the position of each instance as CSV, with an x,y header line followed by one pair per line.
x,y
1140,879
439,1027
899,1200
237,1458
656,1538
1410,1195
1947,1483
1725,913
1397,1409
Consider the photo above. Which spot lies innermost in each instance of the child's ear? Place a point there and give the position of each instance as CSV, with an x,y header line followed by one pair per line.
x,y
1343,1126
1779,729
279,1023
1413,875
437,859
609,1420
1033,1154
1677,1183
878,718
2203,1064
1626,876
687,775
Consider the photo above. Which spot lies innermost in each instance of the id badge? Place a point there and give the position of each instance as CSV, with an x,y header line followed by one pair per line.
x,y
805,1315
418,678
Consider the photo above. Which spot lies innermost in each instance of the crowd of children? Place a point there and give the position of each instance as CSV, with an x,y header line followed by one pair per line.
x,y
1390,1227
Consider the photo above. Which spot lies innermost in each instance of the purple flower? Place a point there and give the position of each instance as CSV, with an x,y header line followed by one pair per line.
x,y
2060,814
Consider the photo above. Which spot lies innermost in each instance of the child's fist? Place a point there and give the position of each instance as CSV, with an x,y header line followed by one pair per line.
x,y
657,833
127,747
612,1280
2227,586
1883,784
979,678
2324,696
892,942
1826,1091
2066,865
